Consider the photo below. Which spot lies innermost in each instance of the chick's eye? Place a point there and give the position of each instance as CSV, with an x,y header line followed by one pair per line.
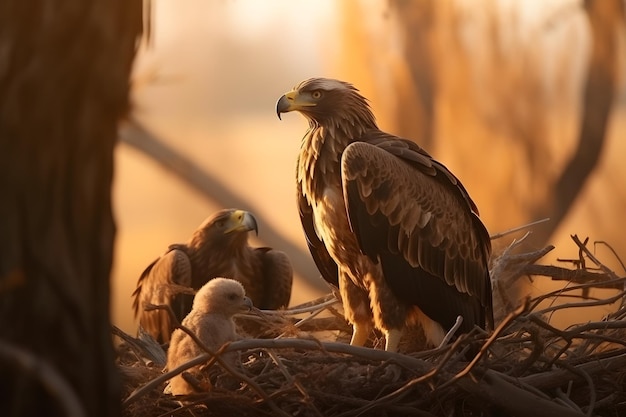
x,y
316,94
232,296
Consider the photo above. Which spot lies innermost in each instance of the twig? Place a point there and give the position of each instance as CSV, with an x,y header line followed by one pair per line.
x,y
601,302
212,357
483,350
591,256
450,334
292,380
308,309
144,345
518,228
602,242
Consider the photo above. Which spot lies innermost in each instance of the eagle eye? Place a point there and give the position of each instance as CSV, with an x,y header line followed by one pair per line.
x,y
317,94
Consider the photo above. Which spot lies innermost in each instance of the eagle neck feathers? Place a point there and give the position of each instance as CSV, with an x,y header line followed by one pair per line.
x,y
322,147
221,256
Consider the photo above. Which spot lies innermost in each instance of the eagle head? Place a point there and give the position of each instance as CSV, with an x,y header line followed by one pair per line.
x,y
321,100
229,225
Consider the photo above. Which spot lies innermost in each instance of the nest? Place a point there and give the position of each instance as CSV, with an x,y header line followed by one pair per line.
x,y
298,362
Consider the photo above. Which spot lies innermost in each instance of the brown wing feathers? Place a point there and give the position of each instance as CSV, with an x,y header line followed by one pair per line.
x,y
218,248
403,213
160,284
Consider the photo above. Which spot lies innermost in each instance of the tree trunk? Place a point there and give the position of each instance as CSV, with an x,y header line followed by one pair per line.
x,y
64,84
606,17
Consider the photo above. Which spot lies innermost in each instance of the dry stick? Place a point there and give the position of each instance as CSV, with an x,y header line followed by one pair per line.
x,y
210,357
327,300
517,229
334,347
557,293
588,380
456,377
450,334
579,276
307,319
521,384
216,357
602,242
366,353
568,336
595,303
555,378
509,267
594,325
483,350
513,400
142,346
564,397
292,380
392,395
402,390
591,256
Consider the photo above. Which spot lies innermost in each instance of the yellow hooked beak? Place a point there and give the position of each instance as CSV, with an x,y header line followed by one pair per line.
x,y
293,100
241,221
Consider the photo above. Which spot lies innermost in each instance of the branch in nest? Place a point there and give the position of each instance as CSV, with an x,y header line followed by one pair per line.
x,y
517,229
581,276
514,400
210,357
143,346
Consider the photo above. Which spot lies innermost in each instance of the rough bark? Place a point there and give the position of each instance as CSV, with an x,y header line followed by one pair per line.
x,y
64,83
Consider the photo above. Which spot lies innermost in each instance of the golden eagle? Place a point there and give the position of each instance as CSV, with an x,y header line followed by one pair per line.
x,y
218,248
390,226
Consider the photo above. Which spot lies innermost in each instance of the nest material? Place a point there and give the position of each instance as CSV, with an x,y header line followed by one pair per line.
x,y
525,367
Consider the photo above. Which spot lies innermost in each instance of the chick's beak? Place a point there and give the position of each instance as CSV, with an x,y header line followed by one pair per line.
x,y
247,305
242,221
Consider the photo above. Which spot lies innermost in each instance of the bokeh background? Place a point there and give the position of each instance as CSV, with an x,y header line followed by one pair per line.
x,y
495,89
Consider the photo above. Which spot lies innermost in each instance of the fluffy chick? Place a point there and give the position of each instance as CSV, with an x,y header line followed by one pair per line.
x,y
211,319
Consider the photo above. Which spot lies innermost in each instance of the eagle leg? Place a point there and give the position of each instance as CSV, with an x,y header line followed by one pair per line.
x,y
360,333
392,339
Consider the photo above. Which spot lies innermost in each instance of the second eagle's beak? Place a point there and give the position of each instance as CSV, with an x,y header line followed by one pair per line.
x,y
283,105
291,101
242,221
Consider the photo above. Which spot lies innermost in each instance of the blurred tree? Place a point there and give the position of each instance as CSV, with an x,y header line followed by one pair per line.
x,y
606,18
64,71
470,83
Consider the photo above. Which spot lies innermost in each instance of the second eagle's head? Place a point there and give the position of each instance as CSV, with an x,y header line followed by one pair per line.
x,y
226,227
323,101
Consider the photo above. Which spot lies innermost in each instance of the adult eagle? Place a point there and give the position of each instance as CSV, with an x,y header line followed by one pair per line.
x,y
390,226
218,248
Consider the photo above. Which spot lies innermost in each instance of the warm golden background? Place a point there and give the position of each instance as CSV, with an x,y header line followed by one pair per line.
x,y
493,89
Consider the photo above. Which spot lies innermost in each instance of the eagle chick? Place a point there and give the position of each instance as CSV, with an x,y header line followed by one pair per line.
x,y
211,319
